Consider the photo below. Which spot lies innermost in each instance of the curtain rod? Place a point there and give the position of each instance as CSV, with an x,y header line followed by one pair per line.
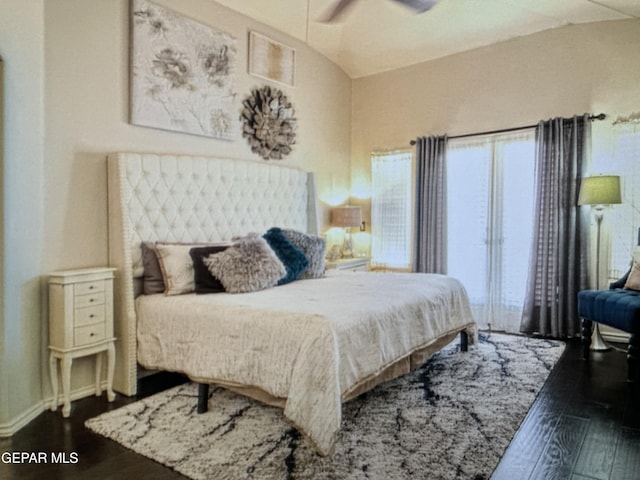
x,y
600,116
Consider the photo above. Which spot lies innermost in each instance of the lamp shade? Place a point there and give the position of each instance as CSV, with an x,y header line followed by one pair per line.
x,y
600,190
346,217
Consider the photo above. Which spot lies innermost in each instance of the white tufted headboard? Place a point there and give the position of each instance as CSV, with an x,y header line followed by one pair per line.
x,y
182,198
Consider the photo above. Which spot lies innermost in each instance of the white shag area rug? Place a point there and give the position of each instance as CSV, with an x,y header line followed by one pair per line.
x,y
451,419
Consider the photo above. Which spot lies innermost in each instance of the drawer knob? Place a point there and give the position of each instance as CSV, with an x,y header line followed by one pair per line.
x,y
91,316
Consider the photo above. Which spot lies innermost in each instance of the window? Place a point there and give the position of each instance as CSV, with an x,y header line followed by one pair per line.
x,y
391,201
490,203
624,219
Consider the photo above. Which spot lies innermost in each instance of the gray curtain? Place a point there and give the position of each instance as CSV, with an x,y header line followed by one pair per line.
x,y
557,266
430,241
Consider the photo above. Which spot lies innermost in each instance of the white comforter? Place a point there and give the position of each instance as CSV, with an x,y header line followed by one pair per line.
x,y
307,342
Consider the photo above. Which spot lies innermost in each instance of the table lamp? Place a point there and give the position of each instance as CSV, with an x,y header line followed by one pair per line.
x,y
346,217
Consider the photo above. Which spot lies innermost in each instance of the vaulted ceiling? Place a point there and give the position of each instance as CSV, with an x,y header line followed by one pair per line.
x,y
380,35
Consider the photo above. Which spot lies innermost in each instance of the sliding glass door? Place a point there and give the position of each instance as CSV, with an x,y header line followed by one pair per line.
x,y
490,183
624,219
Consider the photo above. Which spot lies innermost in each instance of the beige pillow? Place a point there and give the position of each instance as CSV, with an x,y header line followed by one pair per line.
x,y
177,267
633,281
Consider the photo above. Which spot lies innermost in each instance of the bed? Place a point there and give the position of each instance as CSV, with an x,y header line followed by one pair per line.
x,y
307,346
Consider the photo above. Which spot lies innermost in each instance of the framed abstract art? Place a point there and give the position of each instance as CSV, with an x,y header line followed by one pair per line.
x,y
182,74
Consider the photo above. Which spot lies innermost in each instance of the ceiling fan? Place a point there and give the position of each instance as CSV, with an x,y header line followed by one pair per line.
x,y
340,8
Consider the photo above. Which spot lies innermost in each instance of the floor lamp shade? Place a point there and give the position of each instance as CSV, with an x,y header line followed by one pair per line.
x,y
600,190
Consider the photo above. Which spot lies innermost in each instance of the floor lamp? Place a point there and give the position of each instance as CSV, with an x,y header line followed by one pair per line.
x,y
599,191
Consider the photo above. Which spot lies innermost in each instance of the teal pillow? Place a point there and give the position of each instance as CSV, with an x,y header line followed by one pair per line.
x,y
314,247
294,260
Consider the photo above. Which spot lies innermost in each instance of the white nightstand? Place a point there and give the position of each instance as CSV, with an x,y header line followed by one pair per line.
x,y
355,264
80,324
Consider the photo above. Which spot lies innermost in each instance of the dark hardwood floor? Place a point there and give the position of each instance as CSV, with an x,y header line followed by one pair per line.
x,y
585,424
98,458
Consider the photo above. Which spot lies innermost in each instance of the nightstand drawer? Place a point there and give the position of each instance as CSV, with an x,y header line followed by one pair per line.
x,y
88,334
89,315
90,300
86,288
359,268
356,264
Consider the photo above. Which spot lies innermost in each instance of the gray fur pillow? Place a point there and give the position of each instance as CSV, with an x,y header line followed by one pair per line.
x,y
313,247
246,266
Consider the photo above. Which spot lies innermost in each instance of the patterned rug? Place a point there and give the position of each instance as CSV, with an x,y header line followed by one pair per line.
x,y
452,419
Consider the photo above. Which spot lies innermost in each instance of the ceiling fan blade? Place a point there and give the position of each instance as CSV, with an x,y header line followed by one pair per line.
x,y
338,11
418,6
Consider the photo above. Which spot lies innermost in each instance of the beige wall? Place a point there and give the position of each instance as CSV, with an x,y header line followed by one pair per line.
x,y
571,70
87,100
21,48
66,66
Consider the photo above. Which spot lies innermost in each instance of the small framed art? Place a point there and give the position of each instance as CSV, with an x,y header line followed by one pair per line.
x,y
271,60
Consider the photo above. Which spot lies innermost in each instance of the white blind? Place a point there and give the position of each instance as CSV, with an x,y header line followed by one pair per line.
x,y
391,209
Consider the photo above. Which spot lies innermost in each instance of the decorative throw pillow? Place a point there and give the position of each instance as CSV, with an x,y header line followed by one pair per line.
x,y
177,267
246,266
204,281
313,247
293,258
152,280
633,280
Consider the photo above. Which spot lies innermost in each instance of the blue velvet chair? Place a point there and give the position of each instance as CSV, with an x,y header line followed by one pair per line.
x,y
618,308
